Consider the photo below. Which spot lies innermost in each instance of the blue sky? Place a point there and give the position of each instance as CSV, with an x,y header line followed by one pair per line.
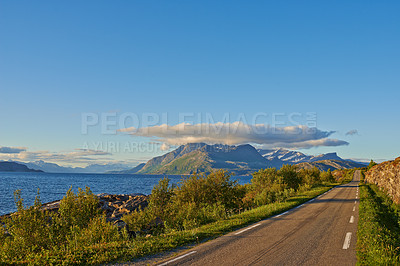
x,y
61,59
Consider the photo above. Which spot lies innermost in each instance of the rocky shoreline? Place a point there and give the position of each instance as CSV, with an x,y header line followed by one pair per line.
x,y
115,206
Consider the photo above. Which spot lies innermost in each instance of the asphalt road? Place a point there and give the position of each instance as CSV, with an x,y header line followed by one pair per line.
x,y
319,232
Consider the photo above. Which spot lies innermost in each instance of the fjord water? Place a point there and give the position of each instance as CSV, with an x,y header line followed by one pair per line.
x,y
53,186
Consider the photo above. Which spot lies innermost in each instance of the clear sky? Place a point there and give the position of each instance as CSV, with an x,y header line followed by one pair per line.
x,y
62,61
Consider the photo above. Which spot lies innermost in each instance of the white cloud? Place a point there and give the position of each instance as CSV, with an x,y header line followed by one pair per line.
x,y
352,132
164,147
307,144
76,156
12,150
238,133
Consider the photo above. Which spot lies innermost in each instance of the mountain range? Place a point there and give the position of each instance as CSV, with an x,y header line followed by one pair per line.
x,y
202,157
15,167
241,159
55,168
294,157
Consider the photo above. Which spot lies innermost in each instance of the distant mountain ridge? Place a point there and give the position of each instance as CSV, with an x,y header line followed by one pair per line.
x,y
324,165
15,167
55,168
133,170
294,157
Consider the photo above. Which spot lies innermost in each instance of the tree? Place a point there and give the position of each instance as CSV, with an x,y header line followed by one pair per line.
x,y
290,176
160,197
371,164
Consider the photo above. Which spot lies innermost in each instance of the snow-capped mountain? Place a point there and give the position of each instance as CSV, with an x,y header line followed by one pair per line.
x,y
294,157
287,156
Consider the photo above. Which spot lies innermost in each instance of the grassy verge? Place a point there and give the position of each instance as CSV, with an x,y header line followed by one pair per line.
x,y
378,236
129,250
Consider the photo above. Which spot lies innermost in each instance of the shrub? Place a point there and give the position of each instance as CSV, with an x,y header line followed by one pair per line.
x,y
138,220
189,215
217,187
290,176
310,176
266,186
327,176
28,227
371,164
160,198
78,209
98,230
77,223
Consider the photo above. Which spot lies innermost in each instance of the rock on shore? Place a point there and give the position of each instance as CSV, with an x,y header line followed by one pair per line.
x,y
114,205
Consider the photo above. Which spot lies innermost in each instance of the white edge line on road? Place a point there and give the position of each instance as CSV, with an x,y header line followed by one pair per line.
x,y
347,239
351,219
283,213
178,258
354,208
248,228
355,202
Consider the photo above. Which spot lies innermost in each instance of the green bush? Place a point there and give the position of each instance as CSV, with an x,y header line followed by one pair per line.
x,y
371,164
138,220
327,176
290,176
310,176
78,209
217,187
29,226
98,230
77,225
160,198
271,185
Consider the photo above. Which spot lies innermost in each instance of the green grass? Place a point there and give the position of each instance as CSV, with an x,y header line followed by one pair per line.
x,y
129,250
378,235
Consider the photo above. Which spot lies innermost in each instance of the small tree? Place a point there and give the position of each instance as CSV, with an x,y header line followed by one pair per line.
x,y
160,198
371,164
290,176
28,227
327,176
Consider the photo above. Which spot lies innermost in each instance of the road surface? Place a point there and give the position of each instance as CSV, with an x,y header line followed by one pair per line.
x,y
319,232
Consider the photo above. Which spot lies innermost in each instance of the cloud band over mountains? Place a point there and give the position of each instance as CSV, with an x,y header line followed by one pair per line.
x,y
12,150
299,136
76,156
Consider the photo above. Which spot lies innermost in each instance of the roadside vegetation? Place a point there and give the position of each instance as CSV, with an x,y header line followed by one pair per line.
x,y
200,207
378,235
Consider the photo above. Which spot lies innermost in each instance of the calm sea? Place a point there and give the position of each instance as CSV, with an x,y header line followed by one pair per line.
x,y
54,186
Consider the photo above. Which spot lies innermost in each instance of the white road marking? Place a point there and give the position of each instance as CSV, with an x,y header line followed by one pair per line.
x,y
347,239
354,208
281,214
352,219
355,202
178,258
248,228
